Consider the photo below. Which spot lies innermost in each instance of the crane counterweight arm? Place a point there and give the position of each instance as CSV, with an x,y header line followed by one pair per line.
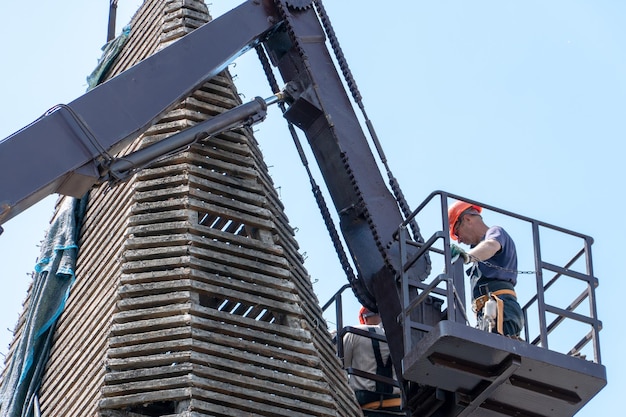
x,y
59,152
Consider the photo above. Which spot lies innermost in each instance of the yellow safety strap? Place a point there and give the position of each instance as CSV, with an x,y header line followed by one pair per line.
x,y
376,405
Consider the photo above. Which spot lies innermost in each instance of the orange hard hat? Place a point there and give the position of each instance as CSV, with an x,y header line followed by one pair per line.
x,y
364,312
455,211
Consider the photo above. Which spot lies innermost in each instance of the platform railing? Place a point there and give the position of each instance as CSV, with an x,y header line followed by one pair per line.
x,y
449,285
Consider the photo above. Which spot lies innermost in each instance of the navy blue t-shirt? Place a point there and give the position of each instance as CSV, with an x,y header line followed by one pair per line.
x,y
504,261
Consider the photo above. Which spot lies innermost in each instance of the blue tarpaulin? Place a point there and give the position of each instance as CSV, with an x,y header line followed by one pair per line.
x,y
54,275
110,51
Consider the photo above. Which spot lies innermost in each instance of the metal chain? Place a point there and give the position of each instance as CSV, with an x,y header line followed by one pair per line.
x,y
356,95
361,294
498,267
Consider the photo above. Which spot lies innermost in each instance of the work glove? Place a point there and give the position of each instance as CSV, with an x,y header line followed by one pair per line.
x,y
456,252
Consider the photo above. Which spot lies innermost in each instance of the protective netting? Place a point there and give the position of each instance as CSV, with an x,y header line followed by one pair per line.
x,y
109,52
54,275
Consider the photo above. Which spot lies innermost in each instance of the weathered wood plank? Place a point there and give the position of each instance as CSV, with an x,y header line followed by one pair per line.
x,y
153,246
155,276
142,287
155,294
178,394
238,387
207,202
149,373
173,333
220,166
170,295
205,96
243,274
227,271
203,328
138,227
209,243
137,349
272,405
227,191
163,383
247,410
157,231
245,213
229,349
241,155
184,15
149,325
298,333
259,375
152,176
202,338
148,361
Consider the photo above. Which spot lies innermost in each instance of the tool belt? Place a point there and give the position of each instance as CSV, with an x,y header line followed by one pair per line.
x,y
479,303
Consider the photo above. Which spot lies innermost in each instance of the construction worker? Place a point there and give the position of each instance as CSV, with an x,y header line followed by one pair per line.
x,y
494,271
371,356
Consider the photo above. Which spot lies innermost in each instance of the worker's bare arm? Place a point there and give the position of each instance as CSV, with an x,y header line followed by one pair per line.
x,y
484,250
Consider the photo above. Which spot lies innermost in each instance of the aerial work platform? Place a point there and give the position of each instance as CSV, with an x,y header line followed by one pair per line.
x,y
453,369
492,375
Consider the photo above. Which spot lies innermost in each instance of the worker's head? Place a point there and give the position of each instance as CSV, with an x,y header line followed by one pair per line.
x,y
466,224
368,317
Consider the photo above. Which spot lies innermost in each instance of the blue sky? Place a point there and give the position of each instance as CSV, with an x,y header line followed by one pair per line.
x,y
519,105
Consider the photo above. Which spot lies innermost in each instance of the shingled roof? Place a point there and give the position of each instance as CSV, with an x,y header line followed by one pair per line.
x,y
191,298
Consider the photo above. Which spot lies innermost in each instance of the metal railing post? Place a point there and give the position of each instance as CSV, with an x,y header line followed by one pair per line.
x,y
541,305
